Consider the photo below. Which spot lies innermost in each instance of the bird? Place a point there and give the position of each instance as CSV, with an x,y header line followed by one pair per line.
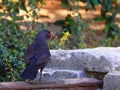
x,y
37,55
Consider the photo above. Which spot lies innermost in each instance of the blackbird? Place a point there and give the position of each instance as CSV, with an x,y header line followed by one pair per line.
x,y
37,55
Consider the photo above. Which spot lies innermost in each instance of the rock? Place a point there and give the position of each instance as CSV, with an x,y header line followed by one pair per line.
x,y
64,74
101,59
50,74
112,81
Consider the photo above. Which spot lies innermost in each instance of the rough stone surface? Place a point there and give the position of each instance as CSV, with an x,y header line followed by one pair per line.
x,y
112,81
102,59
51,74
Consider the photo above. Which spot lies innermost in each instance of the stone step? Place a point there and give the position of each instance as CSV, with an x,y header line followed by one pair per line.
x,y
112,81
100,59
51,74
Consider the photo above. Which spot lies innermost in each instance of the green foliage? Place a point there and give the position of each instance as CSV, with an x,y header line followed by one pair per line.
x,y
112,36
77,28
75,25
13,41
66,3
108,14
106,6
11,50
92,3
110,20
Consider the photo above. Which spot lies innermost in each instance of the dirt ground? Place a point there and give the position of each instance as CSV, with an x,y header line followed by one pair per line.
x,y
52,12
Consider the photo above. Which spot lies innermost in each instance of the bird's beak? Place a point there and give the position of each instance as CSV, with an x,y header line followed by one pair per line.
x,y
52,35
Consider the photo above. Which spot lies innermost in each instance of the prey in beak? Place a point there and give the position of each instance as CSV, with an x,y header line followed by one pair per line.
x,y
51,36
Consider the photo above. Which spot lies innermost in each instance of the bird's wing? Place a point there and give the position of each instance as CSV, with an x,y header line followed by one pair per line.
x,y
27,58
28,55
42,57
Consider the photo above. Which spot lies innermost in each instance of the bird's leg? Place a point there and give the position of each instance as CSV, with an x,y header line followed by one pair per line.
x,y
40,74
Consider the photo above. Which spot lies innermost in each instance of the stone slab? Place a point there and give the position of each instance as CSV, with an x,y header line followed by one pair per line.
x,y
53,74
112,81
101,59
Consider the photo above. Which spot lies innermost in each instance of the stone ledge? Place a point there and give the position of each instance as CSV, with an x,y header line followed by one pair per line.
x,y
65,84
101,59
112,81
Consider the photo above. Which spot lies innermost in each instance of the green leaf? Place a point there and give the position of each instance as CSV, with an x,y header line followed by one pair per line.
x,y
74,1
59,22
88,5
42,2
19,18
34,13
22,6
66,3
100,18
100,1
107,26
94,2
109,21
16,11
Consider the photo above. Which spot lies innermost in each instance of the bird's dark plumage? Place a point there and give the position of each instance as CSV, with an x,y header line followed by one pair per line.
x,y
37,55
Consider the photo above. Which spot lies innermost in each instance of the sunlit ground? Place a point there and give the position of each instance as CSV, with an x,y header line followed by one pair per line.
x,y
52,11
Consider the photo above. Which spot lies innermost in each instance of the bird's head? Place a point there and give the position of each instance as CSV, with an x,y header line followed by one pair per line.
x,y
45,34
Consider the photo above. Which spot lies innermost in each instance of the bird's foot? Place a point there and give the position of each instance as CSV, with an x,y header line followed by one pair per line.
x,y
28,80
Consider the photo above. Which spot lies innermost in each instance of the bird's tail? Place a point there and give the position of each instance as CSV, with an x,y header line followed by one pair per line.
x,y
30,71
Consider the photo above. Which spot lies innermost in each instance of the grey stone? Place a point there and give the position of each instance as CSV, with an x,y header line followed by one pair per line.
x,y
50,74
101,59
63,74
112,81
47,76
